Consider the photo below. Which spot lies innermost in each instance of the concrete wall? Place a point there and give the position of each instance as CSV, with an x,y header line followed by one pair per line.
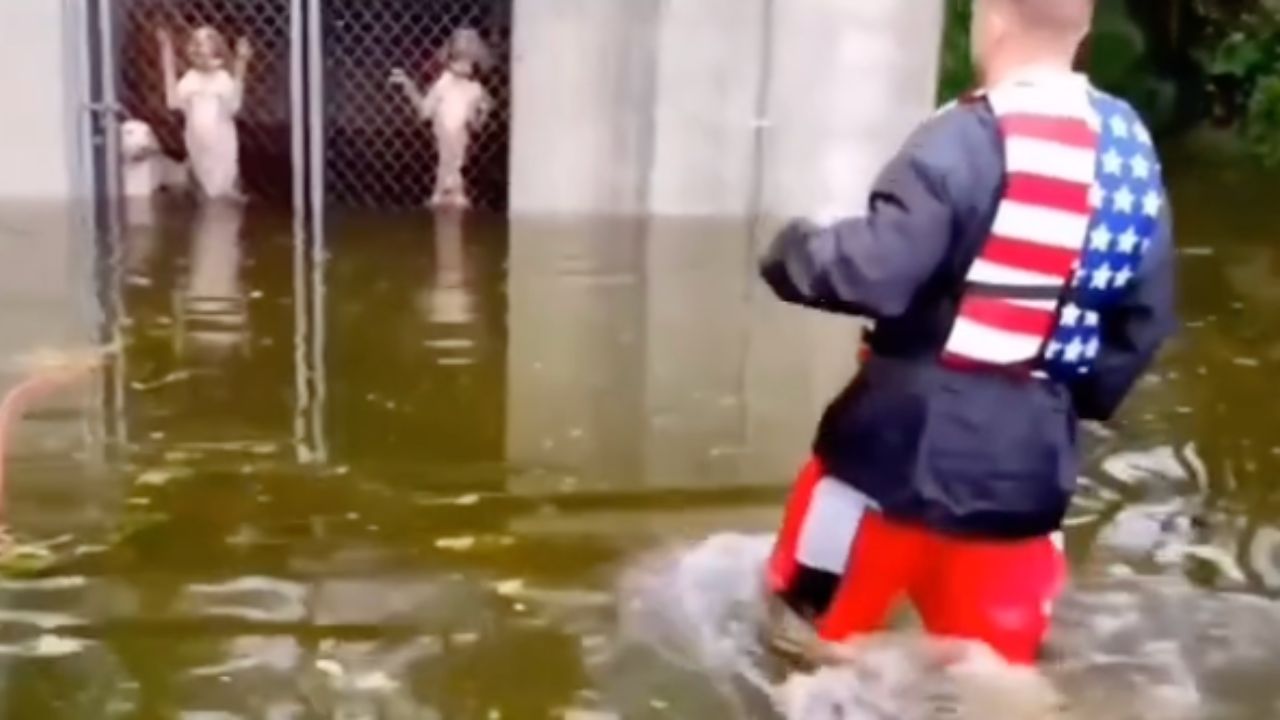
x,y
714,107
582,93
706,99
644,354
47,303
36,139
675,107
645,351
575,352
45,250
47,289
848,81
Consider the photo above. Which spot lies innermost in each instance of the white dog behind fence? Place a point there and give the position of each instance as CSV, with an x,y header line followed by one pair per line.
x,y
457,105
146,168
146,172
210,94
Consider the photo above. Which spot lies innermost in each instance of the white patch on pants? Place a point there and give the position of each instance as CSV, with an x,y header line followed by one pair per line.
x,y
830,526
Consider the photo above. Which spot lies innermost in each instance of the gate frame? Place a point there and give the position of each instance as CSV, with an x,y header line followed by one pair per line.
x,y
92,49
90,80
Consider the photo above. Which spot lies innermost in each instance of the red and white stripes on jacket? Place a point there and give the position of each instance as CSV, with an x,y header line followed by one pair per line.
x,y
1050,134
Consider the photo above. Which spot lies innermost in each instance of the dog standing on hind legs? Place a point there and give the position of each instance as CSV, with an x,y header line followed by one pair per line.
x,y
210,96
457,105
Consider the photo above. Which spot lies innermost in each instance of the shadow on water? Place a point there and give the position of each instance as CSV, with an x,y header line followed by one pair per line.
x,y
398,473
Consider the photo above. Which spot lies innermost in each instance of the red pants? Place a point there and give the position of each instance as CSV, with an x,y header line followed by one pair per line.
x,y
842,564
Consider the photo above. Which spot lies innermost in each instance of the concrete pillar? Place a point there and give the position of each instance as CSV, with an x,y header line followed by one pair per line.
x,y
47,285
575,354
644,106
707,96
734,380
582,100
655,107
55,453
796,361
44,248
645,354
690,372
847,82
37,72
697,321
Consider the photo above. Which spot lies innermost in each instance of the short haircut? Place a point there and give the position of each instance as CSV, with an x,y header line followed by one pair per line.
x,y
1068,20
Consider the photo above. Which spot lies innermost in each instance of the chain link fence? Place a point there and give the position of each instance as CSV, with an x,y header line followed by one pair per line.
x,y
264,118
378,152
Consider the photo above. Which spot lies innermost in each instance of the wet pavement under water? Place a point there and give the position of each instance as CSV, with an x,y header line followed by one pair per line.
x,y
398,477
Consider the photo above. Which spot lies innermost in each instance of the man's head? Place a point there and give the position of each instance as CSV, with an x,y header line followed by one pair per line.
x,y
1009,34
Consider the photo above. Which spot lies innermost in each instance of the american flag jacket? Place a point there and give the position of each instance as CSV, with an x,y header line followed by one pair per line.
x,y
1016,259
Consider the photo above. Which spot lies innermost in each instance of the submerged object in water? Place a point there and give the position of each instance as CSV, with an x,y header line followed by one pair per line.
x,y
47,371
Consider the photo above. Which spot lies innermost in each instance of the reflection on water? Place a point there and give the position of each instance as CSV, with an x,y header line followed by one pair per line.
x,y
447,300
398,470
211,309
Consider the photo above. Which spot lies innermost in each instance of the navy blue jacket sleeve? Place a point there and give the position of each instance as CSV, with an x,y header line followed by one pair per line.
x,y
1132,331
873,265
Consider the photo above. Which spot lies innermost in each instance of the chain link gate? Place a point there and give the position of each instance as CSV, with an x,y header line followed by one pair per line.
x,y
264,121
373,151
378,153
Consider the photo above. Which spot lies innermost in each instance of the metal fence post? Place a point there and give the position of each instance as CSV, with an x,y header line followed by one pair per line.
x,y
315,72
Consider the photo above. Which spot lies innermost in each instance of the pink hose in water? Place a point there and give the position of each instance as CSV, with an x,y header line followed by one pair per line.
x,y
16,402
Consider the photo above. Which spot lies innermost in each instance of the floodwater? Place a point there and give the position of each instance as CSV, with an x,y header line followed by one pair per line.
x,y
398,471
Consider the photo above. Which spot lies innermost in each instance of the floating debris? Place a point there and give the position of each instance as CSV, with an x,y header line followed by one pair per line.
x,y
19,558
507,588
161,476
55,646
375,682
460,544
581,714
174,377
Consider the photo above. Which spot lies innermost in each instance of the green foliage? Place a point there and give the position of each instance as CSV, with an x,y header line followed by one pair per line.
x,y
1237,56
1159,57
1119,61
1117,46
1240,53
957,74
1262,121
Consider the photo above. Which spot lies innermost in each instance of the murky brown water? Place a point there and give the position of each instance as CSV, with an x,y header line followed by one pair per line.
x,y
397,478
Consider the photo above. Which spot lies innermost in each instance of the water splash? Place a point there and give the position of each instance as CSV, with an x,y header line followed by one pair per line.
x,y
1122,648
703,609
905,677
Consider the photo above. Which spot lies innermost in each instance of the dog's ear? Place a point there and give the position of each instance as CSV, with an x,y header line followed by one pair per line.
x,y
141,133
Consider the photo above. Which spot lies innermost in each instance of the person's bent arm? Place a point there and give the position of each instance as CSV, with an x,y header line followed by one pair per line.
x,y
873,265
